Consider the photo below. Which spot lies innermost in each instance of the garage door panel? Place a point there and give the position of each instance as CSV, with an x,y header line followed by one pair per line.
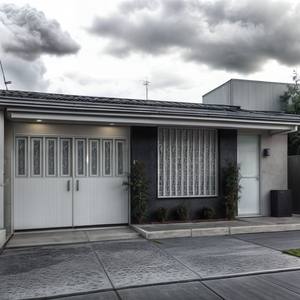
x,y
42,203
100,201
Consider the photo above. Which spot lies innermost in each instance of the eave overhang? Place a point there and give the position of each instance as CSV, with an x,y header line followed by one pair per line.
x,y
194,115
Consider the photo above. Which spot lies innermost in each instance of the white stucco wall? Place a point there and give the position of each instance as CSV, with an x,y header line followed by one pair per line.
x,y
1,169
273,169
8,154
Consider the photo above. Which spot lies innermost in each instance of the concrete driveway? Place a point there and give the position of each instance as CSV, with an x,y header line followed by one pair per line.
x,y
249,266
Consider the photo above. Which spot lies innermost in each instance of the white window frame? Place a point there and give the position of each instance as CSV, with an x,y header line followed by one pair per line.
x,y
84,157
32,140
98,157
47,157
25,156
70,158
183,167
123,142
110,141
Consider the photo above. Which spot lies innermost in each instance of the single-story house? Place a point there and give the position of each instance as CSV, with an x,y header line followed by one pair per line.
x,y
63,158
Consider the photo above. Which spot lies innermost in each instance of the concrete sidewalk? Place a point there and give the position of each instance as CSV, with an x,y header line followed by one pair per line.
x,y
238,226
244,266
154,231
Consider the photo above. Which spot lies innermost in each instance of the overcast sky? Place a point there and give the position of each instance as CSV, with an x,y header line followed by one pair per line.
x,y
183,48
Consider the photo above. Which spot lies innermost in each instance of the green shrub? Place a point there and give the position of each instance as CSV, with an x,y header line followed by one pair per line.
x,y
232,175
162,213
137,181
182,212
207,212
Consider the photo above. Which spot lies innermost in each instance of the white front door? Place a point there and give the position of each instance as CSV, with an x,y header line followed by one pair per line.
x,y
248,156
68,181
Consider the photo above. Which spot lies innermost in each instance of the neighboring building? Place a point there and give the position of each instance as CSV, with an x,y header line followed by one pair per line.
x,y
248,94
257,96
63,157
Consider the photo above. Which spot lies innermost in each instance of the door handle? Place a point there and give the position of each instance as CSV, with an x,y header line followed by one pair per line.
x,y
68,186
77,185
257,177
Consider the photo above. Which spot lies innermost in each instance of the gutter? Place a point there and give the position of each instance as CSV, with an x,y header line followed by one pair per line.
x,y
275,132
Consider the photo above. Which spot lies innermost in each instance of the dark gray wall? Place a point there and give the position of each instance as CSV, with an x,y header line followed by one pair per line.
x,y
227,145
144,149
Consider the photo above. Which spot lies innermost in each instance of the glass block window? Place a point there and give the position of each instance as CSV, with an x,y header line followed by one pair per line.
x,y
21,157
107,157
36,156
120,157
51,157
186,162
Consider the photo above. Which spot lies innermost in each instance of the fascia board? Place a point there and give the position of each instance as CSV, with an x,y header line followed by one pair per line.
x,y
156,116
154,120
90,108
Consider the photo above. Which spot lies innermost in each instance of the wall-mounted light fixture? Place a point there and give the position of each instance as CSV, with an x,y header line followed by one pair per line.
x,y
267,152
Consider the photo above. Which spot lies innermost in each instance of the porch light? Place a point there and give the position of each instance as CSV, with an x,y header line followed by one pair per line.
x,y
267,152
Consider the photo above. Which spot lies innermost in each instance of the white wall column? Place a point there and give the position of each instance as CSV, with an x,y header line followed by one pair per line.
x,y
1,169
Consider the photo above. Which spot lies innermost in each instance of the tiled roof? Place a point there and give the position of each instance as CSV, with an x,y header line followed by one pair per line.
x,y
33,99
102,100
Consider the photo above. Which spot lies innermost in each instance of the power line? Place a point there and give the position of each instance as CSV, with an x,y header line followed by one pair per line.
x,y
129,90
133,88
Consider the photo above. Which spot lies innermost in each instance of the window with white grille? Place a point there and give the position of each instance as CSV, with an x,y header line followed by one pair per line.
x,y
186,162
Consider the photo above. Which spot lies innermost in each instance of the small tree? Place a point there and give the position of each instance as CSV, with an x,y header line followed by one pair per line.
x,y
291,102
137,181
232,174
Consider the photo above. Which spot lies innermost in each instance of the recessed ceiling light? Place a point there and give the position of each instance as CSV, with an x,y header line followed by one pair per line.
x,y
39,120
111,124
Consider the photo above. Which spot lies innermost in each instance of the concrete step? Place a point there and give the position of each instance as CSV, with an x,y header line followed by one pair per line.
x,y
71,236
2,238
162,231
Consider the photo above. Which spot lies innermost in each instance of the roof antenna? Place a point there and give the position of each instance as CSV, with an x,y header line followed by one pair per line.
x,y
146,83
5,82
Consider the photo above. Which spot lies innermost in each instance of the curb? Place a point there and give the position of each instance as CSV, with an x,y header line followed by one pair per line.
x,y
197,232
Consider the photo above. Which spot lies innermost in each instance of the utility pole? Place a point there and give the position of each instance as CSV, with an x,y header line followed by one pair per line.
x,y
146,83
5,82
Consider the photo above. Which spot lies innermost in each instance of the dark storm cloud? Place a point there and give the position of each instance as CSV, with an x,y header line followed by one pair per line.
x,y
27,33
226,35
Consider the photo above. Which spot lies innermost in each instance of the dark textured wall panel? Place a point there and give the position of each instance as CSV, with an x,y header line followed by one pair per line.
x,y
227,151
144,149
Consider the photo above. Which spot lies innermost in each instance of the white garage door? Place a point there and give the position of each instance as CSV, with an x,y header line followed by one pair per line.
x,y
69,181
